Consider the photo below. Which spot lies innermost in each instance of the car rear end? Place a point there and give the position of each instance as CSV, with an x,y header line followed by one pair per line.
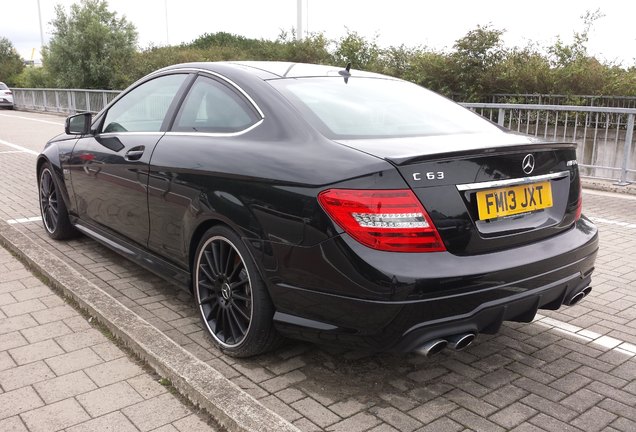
x,y
6,96
485,227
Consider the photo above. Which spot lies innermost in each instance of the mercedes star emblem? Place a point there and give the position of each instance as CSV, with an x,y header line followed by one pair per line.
x,y
528,164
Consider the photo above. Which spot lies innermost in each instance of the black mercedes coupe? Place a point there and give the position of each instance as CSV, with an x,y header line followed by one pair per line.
x,y
324,204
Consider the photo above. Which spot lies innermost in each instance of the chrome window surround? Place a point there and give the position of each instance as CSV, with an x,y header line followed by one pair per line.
x,y
221,77
511,182
209,134
216,134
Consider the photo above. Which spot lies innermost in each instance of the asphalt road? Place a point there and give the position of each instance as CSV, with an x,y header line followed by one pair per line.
x,y
574,369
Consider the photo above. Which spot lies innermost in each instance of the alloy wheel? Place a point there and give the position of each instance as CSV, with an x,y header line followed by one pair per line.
x,y
48,201
224,291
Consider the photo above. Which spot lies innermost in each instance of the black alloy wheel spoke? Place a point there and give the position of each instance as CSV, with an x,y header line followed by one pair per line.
x,y
237,320
227,264
215,271
214,248
210,277
206,285
236,324
238,265
228,329
243,314
217,320
215,307
53,215
208,299
238,284
237,295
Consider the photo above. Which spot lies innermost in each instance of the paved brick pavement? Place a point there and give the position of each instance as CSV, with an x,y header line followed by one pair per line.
x,y
59,372
573,369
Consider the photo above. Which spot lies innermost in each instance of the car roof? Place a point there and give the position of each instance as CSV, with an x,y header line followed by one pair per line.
x,y
276,70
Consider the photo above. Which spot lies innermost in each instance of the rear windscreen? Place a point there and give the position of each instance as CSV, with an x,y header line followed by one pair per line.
x,y
377,108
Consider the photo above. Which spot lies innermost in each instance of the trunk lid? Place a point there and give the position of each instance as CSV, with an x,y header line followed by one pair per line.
x,y
476,191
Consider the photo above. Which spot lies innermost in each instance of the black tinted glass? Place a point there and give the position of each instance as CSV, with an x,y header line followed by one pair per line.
x,y
143,109
371,107
213,107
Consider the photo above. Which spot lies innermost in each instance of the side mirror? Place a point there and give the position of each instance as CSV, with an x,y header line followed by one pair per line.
x,y
78,124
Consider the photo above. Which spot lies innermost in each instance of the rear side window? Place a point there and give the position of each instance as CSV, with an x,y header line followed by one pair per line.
x,y
213,107
144,108
3,86
377,108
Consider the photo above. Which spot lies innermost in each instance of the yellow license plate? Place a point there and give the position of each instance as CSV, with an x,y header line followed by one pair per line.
x,y
495,203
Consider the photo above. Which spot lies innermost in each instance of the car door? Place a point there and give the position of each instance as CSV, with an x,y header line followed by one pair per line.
x,y
189,167
109,168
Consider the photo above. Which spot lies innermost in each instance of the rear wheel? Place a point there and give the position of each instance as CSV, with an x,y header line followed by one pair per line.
x,y
231,297
53,208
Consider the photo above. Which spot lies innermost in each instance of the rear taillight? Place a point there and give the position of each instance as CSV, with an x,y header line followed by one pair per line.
x,y
389,220
579,203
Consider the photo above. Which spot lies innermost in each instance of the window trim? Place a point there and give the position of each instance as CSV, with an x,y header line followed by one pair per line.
x,y
193,72
217,134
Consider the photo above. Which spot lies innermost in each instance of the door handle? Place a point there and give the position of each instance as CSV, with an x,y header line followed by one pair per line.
x,y
134,153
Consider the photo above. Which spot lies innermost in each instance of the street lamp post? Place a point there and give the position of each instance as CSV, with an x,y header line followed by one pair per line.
x,y
41,31
299,20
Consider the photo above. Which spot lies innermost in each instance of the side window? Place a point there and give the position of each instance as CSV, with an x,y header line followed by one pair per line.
x,y
213,107
143,108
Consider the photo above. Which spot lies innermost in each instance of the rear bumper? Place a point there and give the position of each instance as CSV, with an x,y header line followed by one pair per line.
x,y
343,292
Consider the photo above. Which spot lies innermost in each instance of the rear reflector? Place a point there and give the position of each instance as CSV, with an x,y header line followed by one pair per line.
x,y
579,203
389,220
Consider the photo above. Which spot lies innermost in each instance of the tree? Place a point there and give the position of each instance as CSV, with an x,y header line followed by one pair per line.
x,y
475,59
356,49
91,47
11,63
565,54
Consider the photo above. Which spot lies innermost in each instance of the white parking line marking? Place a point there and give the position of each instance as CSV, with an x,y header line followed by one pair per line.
x,y
11,151
24,220
613,222
33,119
607,342
18,147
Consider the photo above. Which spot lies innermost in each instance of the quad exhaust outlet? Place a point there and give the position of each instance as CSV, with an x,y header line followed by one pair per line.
x,y
461,341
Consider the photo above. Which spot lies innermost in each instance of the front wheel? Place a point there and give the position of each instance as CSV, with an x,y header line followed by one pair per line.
x,y
231,297
52,207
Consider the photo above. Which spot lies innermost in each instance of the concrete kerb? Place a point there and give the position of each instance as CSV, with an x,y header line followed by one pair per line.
x,y
202,384
608,186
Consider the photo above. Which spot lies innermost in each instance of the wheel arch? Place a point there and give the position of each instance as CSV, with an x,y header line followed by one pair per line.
x,y
51,155
203,227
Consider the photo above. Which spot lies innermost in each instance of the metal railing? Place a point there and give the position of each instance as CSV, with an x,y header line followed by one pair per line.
x,y
605,135
67,101
562,99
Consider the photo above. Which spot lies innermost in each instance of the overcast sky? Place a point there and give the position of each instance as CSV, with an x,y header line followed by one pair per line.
x,y
436,24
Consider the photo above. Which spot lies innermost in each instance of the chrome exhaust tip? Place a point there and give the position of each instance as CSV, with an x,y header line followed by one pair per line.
x,y
461,341
431,348
587,290
576,298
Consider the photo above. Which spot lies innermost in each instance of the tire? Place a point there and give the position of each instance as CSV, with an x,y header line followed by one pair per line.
x,y
52,207
231,297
